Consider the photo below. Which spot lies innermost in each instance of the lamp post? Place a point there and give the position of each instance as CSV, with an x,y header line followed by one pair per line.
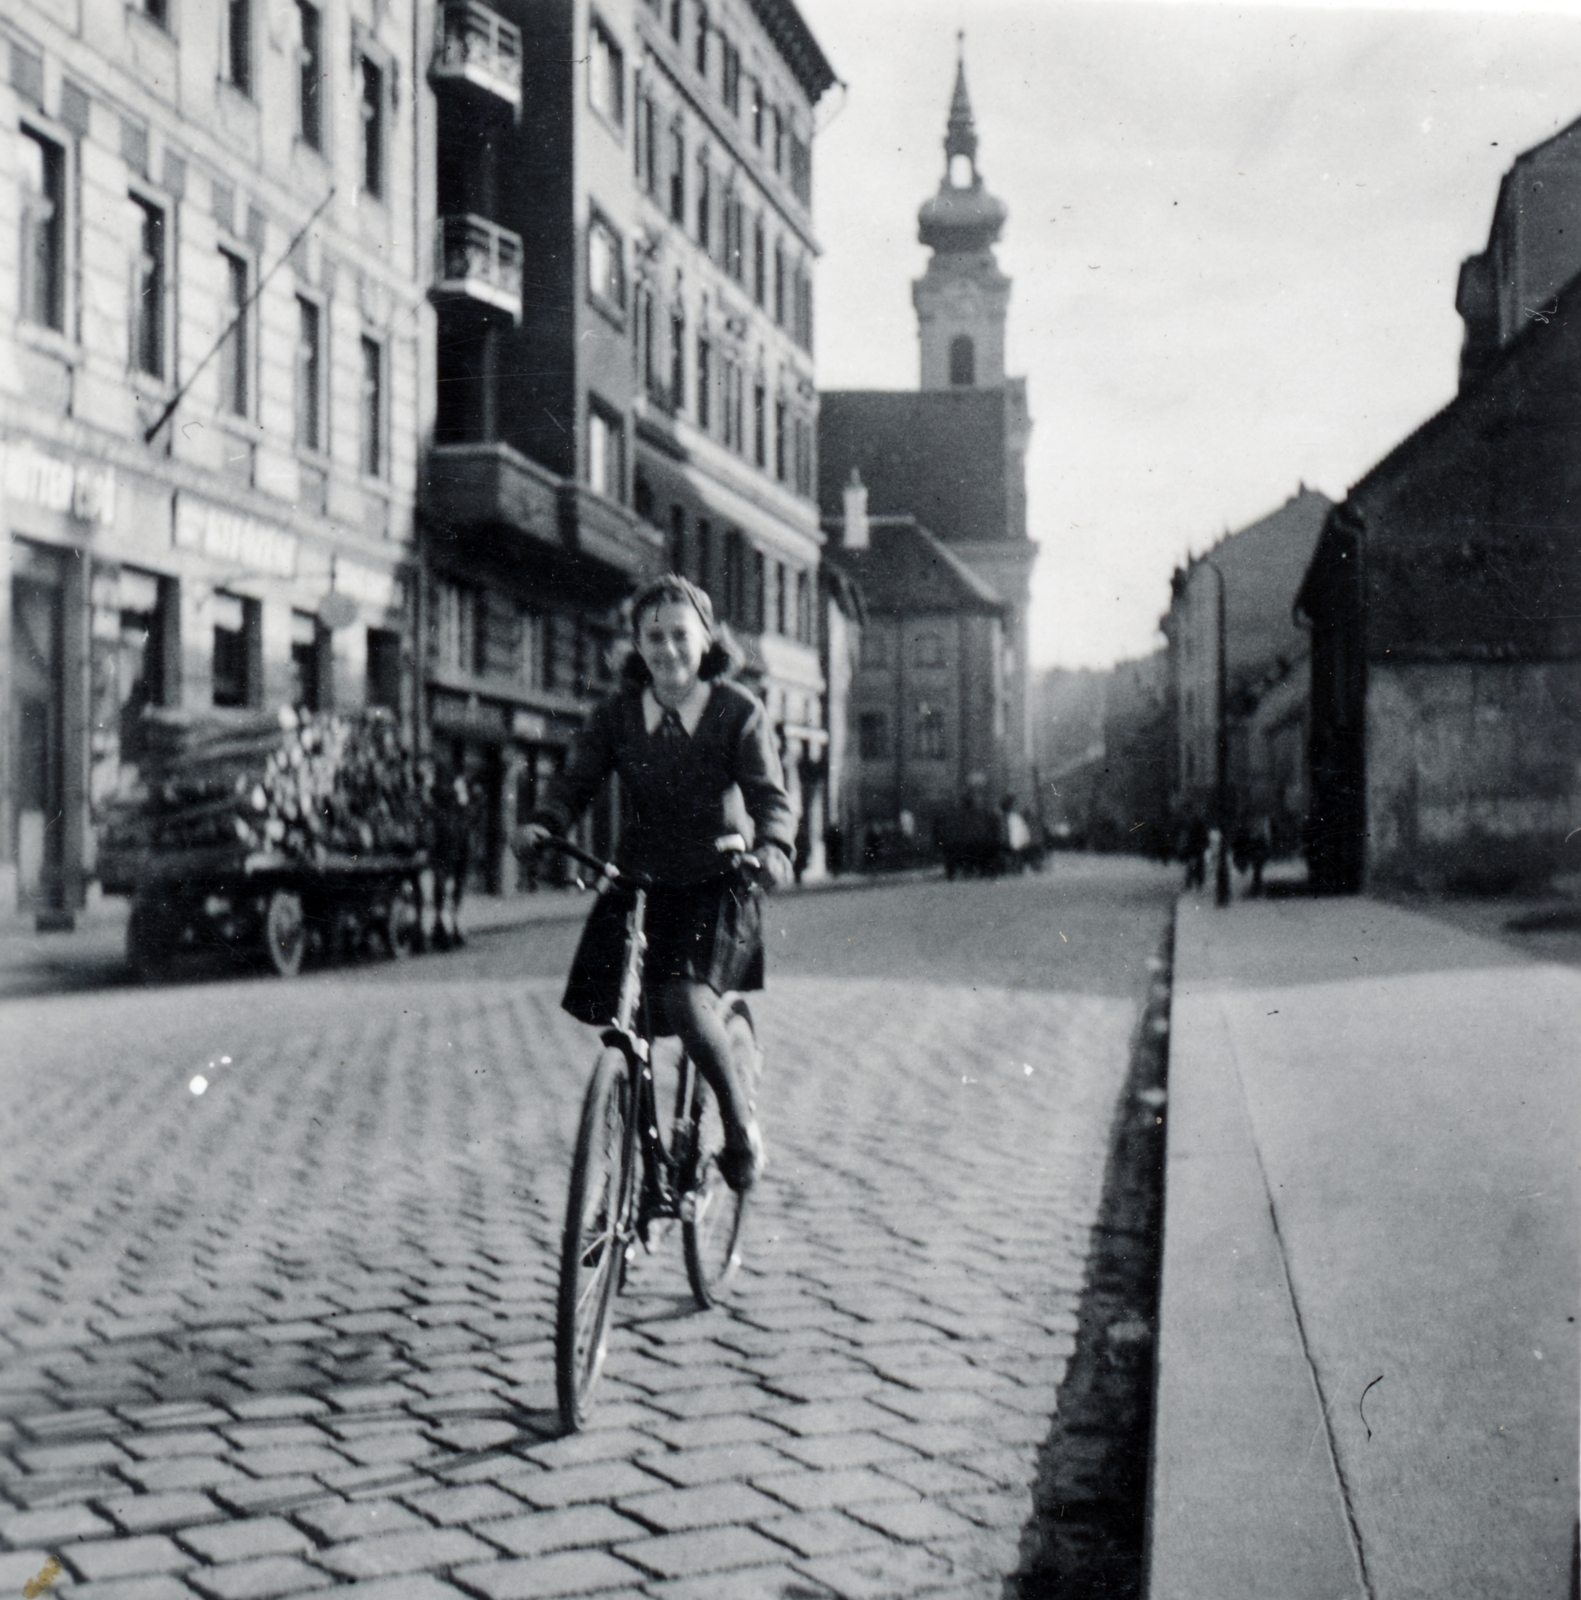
x,y
1221,752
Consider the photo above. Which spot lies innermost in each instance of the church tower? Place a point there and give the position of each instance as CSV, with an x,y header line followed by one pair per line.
x,y
962,298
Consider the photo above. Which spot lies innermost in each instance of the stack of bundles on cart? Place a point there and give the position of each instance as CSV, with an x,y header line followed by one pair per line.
x,y
301,785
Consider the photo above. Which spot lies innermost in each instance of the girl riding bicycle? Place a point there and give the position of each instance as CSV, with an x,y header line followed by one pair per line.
x,y
685,744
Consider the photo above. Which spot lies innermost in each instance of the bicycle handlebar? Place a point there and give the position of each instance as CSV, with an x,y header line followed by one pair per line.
x,y
608,869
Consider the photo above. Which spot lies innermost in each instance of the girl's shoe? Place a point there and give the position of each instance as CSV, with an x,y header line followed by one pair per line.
x,y
742,1166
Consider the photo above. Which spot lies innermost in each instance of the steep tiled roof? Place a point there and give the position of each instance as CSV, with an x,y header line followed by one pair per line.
x,y
904,568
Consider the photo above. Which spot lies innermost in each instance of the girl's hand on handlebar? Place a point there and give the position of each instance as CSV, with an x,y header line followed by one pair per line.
x,y
531,835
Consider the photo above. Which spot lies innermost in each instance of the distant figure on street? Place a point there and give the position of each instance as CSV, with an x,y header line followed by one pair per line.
x,y
452,857
1194,851
1253,846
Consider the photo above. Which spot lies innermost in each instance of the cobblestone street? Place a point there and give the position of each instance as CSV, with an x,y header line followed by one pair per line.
x,y
294,1331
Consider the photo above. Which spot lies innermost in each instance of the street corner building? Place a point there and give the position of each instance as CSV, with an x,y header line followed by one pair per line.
x,y
211,322
924,496
1444,597
624,371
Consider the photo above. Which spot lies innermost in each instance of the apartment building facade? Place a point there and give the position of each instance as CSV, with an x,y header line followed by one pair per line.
x,y
211,324
624,368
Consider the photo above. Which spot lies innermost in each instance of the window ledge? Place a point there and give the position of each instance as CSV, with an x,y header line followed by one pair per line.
x,y
608,310
48,341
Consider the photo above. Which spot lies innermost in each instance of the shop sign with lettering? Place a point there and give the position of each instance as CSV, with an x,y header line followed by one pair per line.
x,y
77,488
258,548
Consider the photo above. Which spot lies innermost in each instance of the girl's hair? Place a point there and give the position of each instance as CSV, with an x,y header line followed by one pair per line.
x,y
722,657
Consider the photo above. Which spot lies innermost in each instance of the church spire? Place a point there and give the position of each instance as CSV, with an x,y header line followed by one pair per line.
x,y
962,217
960,138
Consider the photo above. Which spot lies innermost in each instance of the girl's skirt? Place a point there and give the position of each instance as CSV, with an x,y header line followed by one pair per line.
x,y
710,932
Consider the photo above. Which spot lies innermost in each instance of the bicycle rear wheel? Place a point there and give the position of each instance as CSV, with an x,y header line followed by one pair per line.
x,y
593,1245
712,1213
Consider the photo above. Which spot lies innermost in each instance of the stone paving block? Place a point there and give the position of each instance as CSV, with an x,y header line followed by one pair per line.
x,y
91,1421
602,1480
145,1513
279,1405
273,1435
57,1525
249,1495
391,1554
829,1416
915,1521
368,1397
247,1539
840,1383
683,1555
935,1438
746,1583
179,1414
889,1573
262,1579
599,1443
355,1519
544,1531
846,1450
720,1464
468,1503
179,1472
409,1586
159,1446
702,1404
933,1478
289,1461
571,1572
68,1457
127,1558
810,1490
1006,1509
701,1432
482,1434
707,1506
18,1567
36,1493
820,1533
155,1586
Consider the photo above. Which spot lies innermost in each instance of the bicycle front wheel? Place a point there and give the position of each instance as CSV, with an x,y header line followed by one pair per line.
x,y
593,1245
712,1213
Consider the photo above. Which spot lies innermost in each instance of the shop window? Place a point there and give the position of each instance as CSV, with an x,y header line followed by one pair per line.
x,y
458,638
307,688
605,74
384,668
235,376
310,75
147,313
43,230
932,744
238,656
873,736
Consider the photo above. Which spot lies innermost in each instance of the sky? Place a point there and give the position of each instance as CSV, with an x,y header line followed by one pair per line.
x,y
1234,235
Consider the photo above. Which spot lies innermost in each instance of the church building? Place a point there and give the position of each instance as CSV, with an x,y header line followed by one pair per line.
x,y
947,462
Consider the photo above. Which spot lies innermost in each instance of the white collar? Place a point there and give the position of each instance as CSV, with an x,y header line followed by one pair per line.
x,y
690,710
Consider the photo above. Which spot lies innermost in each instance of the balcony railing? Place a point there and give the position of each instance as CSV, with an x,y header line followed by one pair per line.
x,y
478,46
476,259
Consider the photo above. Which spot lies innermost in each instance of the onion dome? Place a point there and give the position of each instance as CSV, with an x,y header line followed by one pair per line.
x,y
962,217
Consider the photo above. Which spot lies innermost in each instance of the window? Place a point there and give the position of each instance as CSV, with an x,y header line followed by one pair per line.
x,y
606,271
781,598
735,226
605,74
466,359
306,691
310,75
370,409
677,175
384,668
700,57
759,260
927,649
675,20
963,362
705,383
779,283
43,231
931,745
875,646
372,128
734,577
645,151
704,199
779,141
148,289
803,457
677,359
804,607
801,169
872,733
157,11
237,660
675,548
458,638
730,75
755,105
760,430
530,636
234,376
606,465
731,374
780,452
239,45
802,308
309,429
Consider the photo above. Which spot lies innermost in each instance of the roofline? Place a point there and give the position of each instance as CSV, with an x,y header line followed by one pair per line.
x,y
794,40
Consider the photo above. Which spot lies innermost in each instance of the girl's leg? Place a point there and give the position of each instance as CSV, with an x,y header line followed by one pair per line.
x,y
692,1011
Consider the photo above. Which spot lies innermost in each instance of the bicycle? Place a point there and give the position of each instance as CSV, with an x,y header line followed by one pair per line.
x,y
627,1175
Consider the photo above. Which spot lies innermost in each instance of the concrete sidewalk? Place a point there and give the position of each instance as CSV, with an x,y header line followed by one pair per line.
x,y
1367,1354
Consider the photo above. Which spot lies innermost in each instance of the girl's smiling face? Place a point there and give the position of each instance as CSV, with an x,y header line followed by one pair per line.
x,y
671,640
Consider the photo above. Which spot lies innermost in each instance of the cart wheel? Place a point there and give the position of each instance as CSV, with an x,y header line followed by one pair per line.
x,y
402,923
285,932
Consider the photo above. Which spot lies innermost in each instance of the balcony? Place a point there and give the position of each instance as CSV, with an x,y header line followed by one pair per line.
x,y
480,51
477,260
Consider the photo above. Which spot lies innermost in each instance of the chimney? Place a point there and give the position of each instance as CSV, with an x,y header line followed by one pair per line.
x,y
856,512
